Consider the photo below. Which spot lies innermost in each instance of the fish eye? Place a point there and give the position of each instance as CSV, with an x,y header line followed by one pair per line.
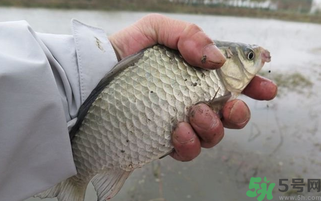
x,y
250,55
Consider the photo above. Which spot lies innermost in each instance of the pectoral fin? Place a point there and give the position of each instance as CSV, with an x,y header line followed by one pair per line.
x,y
125,63
228,53
217,103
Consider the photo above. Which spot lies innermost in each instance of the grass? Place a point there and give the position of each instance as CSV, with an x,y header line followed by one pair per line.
x,y
165,6
286,82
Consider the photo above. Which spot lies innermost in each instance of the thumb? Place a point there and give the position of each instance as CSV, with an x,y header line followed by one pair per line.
x,y
194,45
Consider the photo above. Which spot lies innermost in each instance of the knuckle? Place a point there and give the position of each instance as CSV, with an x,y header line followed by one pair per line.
x,y
154,18
194,28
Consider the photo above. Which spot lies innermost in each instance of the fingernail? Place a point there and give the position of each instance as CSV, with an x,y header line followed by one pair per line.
x,y
185,135
270,88
237,112
202,117
212,56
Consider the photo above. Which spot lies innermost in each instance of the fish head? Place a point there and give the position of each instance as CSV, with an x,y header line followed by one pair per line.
x,y
243,62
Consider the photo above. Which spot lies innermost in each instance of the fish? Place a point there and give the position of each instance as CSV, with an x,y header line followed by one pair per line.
x,y
127,120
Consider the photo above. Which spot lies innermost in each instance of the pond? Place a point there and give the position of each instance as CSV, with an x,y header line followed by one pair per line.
x,y
282,140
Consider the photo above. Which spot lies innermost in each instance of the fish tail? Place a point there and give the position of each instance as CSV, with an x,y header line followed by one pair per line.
x,y
67,190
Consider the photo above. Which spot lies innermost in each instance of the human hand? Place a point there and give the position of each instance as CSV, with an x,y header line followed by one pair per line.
x,y
205,129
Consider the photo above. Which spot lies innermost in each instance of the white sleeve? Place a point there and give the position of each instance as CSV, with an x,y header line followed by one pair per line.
x,y
44,79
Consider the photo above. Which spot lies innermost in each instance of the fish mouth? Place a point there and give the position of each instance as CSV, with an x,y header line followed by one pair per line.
x,y
265,55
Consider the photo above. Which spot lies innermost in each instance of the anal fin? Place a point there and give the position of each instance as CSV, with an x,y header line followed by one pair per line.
x,y
108,183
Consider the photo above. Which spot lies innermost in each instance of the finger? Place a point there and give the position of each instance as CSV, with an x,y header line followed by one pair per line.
x,y
186,143
207,125
194,45
236,114
261,88
198,49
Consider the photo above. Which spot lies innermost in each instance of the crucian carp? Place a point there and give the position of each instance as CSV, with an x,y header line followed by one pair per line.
x,y
127,120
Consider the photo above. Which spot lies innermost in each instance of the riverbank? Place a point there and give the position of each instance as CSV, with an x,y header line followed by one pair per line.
x,y
166,6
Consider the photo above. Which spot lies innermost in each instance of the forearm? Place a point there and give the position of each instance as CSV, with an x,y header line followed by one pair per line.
x,y
43,81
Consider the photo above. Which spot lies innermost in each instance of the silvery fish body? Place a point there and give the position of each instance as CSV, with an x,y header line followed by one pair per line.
x,y
127,120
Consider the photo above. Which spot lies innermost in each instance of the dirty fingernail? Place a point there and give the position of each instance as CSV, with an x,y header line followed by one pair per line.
x,y
202,117
212,56
268,86
183,133
239,114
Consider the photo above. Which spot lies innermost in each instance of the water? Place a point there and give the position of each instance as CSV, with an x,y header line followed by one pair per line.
x,y
282,140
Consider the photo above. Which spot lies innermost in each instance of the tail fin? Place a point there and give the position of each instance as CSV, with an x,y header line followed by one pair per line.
x,y
67,190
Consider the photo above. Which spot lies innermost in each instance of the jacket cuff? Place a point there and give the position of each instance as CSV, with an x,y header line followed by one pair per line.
x,y
95,55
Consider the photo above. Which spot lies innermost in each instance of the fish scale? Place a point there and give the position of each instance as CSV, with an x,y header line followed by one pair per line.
x,y
151,69
128,119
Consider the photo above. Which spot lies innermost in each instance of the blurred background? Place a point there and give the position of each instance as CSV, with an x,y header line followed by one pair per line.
x,y
282,140
299,10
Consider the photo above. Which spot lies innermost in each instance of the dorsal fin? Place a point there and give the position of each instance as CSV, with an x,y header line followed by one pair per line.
x,y
119,67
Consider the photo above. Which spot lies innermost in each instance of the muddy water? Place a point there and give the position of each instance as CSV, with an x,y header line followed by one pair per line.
x,y
282,140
